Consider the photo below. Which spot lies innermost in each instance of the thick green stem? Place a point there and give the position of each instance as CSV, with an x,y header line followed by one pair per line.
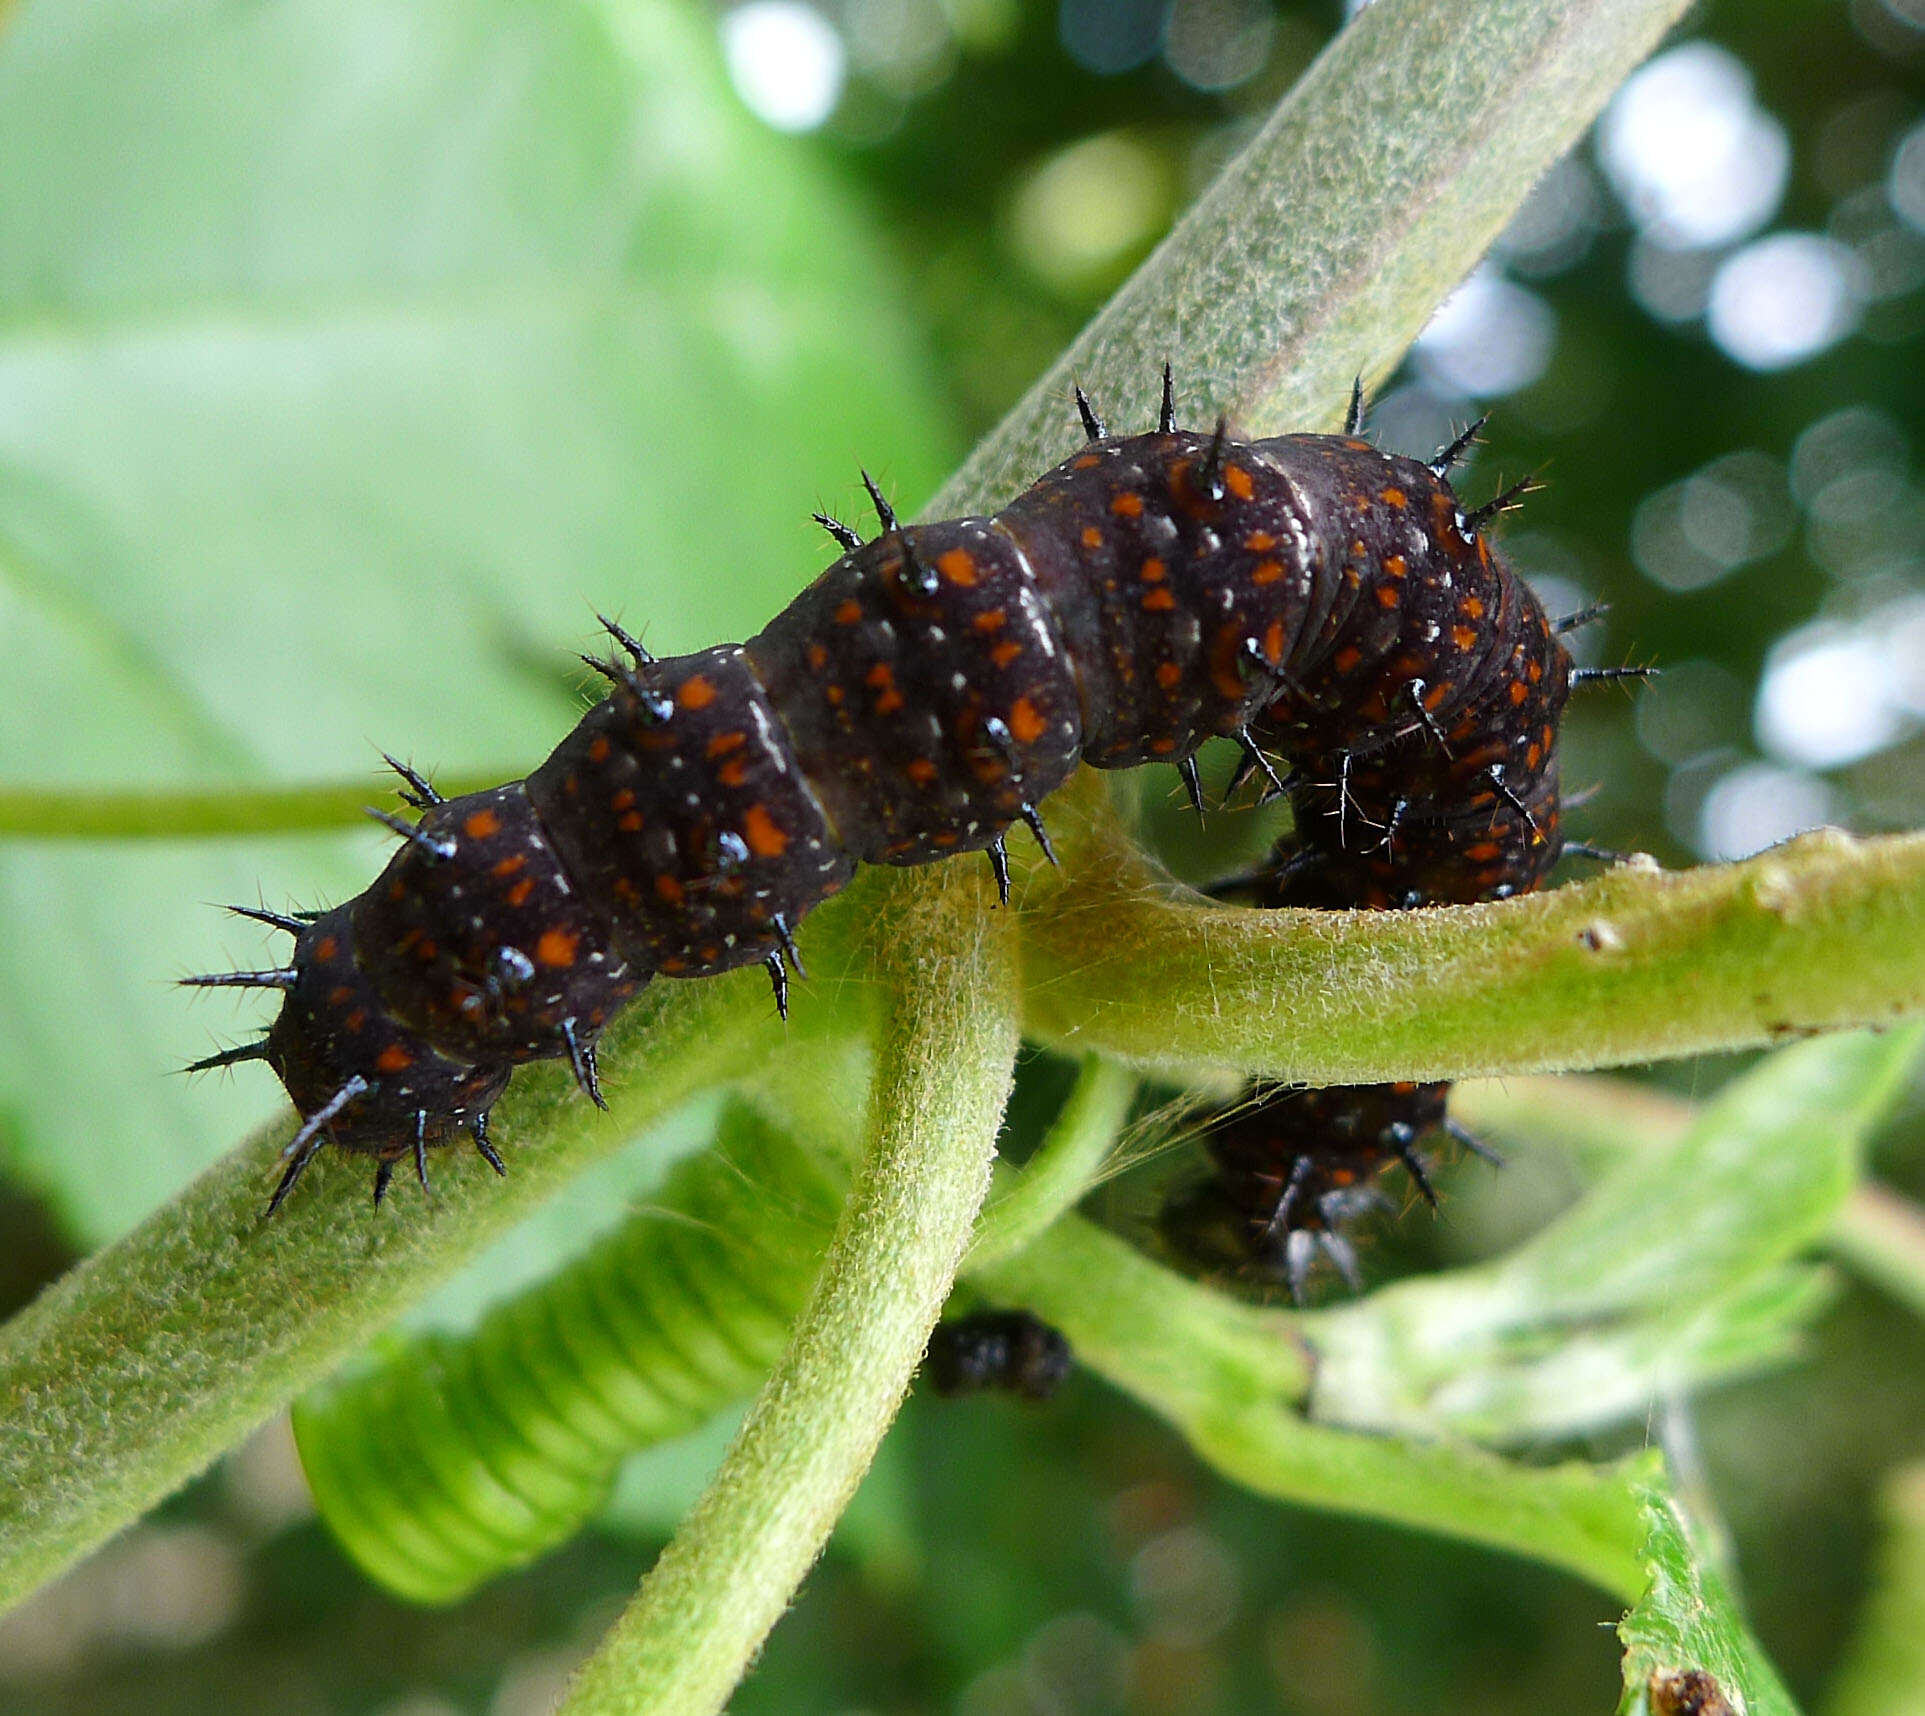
x,y
943,1076
132,1372
1323,248
1817,935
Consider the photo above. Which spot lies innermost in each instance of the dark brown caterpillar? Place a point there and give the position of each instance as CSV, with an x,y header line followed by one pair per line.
x,y
1009,1350
1310,596
1457,804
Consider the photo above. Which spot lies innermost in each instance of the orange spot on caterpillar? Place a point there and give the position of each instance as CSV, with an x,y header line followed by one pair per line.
x,y
848,613
1025,722
1463,637
1169,675
734,772
1395,497
1092,537
1395,565
327,947
1004,653
1266,572
557,947
1153,571
598,748
764,838
1087,462
1387,596
668,889
1259,542
623,800
723,743
1237,480
990,620
697,692
921,770
393,1059
629,822
958,565
1159,600
518,894
1127,505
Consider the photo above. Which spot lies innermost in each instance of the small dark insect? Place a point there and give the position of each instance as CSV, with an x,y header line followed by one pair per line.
x,y
1332,608
1687,1692
1008,1350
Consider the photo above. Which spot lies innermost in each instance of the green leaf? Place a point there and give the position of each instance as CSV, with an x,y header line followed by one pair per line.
x,y
349,358
1669,1272
1685,1637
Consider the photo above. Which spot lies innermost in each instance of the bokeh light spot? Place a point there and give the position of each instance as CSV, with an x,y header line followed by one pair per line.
x,y
786,62
1489,337
1757,805
1693,156
1783,299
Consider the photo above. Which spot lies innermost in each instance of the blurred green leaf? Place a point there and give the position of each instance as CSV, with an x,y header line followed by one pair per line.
x,y
349,357
1670,1272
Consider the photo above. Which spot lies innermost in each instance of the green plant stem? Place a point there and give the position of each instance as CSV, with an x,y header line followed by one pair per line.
x,y
1234,1380
1054,1180
943,1076
1820,934
132,1372
1882,1237
133,813
1320,252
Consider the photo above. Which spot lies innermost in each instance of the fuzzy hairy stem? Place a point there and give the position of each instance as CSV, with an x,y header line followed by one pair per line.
x,y
1819,934
947,1058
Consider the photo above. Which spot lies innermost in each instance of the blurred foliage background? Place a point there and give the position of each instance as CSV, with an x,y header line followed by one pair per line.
x,y
347,354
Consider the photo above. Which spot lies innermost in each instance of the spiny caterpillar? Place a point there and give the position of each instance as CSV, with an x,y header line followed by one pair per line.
x,y
1015,1352
1331,607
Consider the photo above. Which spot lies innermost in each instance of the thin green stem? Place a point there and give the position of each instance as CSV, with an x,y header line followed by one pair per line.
x,y
943,1076
1054,1180
1882,1237
1235,1381
133,813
